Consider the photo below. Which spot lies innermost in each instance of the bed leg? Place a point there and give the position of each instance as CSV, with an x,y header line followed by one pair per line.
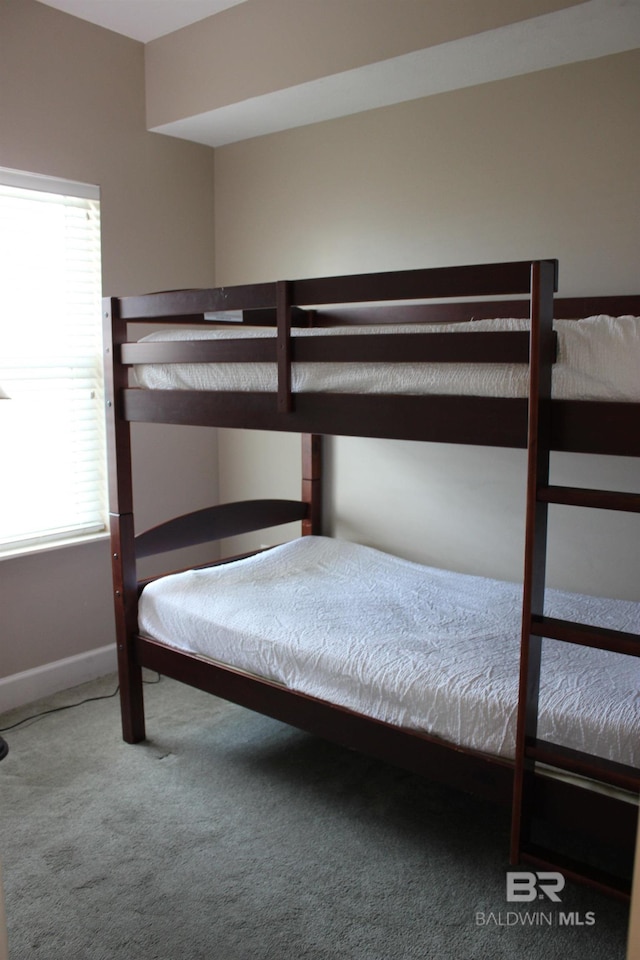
x,y
125,590
131,702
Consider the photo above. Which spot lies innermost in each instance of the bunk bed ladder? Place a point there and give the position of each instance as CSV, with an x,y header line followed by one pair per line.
x,y
530,750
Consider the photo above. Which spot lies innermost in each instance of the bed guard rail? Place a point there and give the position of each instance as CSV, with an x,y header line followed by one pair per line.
x,y
286,296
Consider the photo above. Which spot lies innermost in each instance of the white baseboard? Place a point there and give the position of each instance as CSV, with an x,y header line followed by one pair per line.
x,y
22,688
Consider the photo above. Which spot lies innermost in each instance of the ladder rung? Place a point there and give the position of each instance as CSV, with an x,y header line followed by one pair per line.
x,y
586,764
602,638
583,497
603,880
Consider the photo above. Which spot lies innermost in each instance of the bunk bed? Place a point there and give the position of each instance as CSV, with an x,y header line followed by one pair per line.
x,y
380,355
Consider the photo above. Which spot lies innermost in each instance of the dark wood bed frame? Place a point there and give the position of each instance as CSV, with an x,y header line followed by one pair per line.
x,y
539,424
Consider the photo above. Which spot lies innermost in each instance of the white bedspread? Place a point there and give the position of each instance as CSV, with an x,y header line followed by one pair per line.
x,y
598,359
412,645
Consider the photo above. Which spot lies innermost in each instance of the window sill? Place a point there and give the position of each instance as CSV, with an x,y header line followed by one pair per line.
x,y
13,553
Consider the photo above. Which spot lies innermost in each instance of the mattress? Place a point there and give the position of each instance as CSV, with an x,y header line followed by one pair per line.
x,y
415,646
598,359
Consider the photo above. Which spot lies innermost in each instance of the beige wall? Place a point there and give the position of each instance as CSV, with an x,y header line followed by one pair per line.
x,y
261,46
72,105
542,165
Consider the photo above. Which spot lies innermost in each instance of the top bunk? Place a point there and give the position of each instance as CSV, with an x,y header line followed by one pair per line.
x,y
442,354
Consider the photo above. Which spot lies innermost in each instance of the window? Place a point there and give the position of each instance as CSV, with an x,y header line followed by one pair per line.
x,y
52,478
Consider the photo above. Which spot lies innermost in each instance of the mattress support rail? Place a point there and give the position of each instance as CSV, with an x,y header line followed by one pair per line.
x,y
578,426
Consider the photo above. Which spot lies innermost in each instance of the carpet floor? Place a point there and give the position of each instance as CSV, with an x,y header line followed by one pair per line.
x,y
229,836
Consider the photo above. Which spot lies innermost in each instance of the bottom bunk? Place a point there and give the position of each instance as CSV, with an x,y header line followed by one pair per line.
x,y
411,664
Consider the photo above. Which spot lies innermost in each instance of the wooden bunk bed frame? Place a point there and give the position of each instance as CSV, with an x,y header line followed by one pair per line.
x,y
539,424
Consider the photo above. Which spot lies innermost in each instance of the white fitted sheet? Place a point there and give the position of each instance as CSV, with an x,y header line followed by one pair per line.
x,y
598,359
415,646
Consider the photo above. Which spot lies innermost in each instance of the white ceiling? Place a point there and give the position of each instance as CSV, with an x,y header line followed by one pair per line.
x,y
591,29
142,19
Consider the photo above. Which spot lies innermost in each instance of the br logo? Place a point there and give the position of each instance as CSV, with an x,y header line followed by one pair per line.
x,y
525,886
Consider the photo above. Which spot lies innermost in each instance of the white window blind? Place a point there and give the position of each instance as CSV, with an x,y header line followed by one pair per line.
x,y
52,460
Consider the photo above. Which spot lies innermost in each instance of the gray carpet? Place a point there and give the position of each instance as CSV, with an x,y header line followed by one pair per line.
x,y
231,836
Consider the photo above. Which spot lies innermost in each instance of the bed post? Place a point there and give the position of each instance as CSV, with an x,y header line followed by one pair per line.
x,y
283,333
312,483
538,459
123,559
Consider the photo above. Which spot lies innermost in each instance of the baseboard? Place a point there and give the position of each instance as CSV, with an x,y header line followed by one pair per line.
x,y
22,688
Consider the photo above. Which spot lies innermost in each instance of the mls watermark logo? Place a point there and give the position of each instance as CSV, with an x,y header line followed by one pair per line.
x,y
525,886
543,888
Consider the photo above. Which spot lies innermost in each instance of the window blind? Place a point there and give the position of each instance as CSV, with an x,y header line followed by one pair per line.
x,y
52,472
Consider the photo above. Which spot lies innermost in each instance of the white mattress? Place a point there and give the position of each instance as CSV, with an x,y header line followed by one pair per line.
x,y
598,359
422,648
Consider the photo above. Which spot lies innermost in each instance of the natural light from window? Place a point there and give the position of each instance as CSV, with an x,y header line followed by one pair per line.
x,y
52,480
